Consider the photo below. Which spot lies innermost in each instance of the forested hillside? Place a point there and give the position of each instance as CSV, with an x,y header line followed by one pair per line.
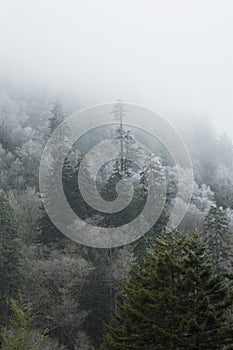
x,y
163,291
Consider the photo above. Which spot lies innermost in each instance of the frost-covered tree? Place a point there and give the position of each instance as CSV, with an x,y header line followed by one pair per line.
x,y
202,197
222,186
218,236
26,206
60,275
57,116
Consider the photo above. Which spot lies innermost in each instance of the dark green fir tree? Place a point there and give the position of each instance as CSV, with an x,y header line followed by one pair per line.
x,y
174,301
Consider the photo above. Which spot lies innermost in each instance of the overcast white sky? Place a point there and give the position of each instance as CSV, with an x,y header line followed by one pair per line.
x,y
168,55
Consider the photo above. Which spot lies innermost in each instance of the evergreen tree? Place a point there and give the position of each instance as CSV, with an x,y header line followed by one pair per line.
x,y
132,210
9,257
174,301
56,116
6,136
153,172
217,235
119,113
108,190
129,142
20,335
77,202
95,295
48,233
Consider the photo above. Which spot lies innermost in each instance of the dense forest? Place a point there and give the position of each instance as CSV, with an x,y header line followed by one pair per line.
x,y
167,290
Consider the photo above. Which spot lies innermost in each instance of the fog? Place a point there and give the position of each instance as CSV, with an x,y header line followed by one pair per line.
x,y
109,218
173,56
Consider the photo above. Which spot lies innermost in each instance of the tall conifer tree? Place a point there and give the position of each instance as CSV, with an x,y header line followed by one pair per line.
x,y
174,301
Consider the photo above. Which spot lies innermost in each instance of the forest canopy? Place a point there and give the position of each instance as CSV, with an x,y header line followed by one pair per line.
x,y
57,294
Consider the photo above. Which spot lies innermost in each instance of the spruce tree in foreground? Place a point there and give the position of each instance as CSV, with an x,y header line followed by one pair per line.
x,y
174,301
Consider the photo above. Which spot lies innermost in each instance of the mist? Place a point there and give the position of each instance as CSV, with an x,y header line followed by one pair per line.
x,y
175,57
116,221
